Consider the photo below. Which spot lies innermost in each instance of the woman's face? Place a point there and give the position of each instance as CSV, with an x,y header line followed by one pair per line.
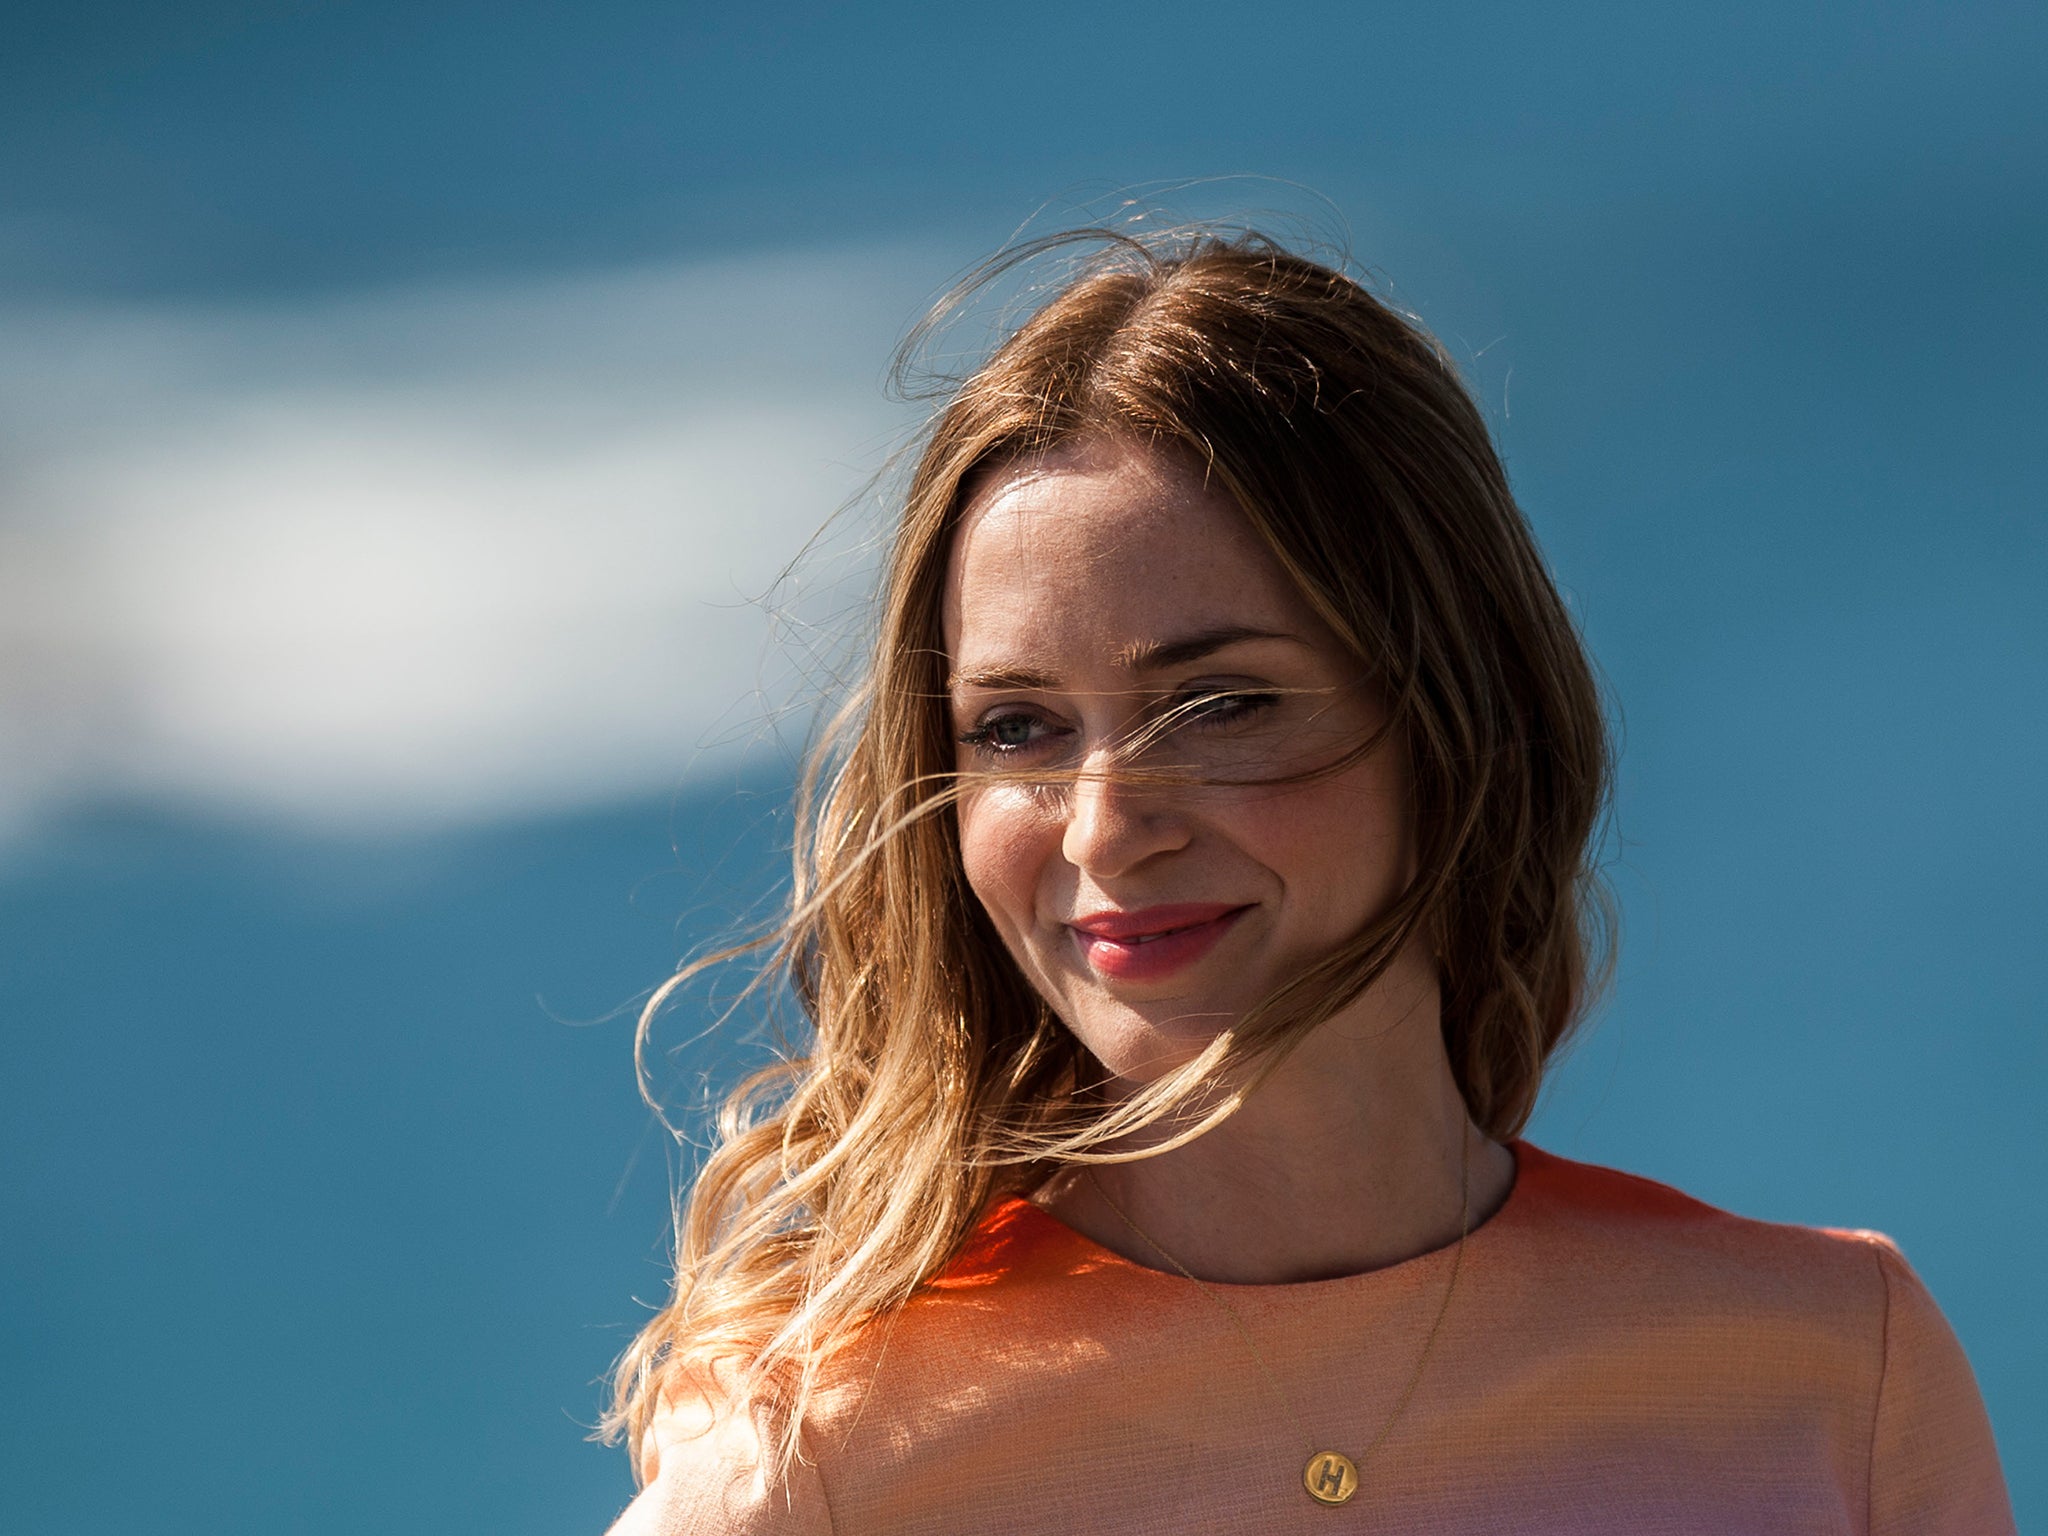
x,y
1102,589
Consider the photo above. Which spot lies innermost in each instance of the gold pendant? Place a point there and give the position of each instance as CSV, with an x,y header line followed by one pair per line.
x,y
1331,1477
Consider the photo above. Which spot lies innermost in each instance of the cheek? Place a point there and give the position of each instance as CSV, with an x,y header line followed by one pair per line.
x,y
1006,839
1341,848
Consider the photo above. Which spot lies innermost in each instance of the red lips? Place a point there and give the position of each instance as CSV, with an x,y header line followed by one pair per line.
x,y
1152,943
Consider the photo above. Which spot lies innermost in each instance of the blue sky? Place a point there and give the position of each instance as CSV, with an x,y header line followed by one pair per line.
x,y
409,413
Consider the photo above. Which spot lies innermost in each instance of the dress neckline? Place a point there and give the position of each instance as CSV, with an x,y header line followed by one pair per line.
x,y
1028,1221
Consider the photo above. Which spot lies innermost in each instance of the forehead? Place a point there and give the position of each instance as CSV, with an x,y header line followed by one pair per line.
x,y
1098,546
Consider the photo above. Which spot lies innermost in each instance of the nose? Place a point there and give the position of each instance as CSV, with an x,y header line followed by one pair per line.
x,y
1113,825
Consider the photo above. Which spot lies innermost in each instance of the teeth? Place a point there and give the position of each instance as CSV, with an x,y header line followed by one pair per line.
x,y
1129,941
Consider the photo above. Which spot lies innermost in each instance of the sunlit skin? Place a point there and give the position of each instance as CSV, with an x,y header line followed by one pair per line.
x,y
1102,593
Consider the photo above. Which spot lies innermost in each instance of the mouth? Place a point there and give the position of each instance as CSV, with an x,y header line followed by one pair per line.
x,y
1152,943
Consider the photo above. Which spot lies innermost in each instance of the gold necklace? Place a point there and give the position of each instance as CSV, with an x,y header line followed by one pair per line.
x,y
1330,1477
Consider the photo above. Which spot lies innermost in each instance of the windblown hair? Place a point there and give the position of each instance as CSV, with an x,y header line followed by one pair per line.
x,y
934,1077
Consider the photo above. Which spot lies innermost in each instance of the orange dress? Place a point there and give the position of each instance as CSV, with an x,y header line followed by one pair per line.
x,y
1617,1358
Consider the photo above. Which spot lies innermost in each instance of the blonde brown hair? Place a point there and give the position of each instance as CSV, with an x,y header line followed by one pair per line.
x,y
934,1076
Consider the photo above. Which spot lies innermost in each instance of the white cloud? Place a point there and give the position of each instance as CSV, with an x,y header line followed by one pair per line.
x,y
428,556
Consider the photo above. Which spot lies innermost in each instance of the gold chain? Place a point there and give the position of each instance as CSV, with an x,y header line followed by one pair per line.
x,y
1330,1476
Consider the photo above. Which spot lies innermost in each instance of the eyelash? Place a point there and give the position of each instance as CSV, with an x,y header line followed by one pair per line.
x,y
1234,706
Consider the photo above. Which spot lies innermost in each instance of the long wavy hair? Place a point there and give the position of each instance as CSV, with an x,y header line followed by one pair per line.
x,y
931,1077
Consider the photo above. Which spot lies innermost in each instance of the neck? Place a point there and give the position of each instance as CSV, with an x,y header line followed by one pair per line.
x,y
1346,1159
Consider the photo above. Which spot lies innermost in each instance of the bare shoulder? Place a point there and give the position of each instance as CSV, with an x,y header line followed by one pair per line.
x,y
708,1475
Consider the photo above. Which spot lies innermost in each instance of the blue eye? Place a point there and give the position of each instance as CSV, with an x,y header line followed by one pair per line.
x,y
1219,706
1001,735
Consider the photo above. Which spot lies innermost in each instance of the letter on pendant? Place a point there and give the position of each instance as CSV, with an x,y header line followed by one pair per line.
x,y
1331,1477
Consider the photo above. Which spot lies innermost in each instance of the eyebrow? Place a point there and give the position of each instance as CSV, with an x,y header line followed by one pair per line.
x,y
1141,656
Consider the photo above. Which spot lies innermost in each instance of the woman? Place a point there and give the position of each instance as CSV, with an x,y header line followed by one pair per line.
x,y
1184,925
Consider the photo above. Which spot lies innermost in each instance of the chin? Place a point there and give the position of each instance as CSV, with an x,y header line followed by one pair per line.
x,y
1140,1047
